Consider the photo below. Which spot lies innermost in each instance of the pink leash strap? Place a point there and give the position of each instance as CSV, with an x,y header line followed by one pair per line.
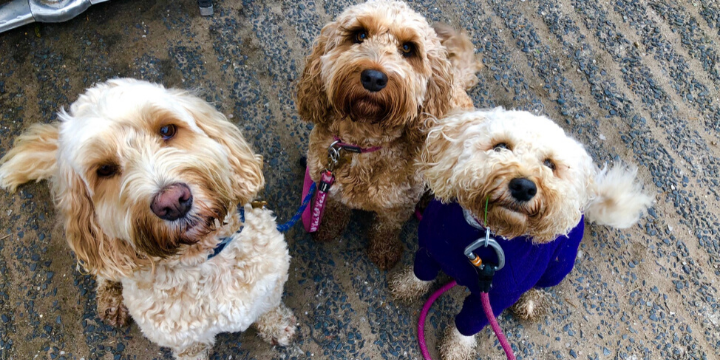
x,y
484,299
313,214
423,315
307,214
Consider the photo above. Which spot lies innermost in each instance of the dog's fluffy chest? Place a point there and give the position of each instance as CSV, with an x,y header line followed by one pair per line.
x,y
227,293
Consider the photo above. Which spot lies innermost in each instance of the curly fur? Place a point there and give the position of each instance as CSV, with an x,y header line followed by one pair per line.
x,y
158,270
532,305
109,303
420,88
619,201
405,286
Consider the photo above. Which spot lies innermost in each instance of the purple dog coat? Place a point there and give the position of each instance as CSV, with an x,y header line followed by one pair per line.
x,y
444,234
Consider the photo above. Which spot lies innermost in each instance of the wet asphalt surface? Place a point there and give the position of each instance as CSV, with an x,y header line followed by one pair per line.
x,y
633,80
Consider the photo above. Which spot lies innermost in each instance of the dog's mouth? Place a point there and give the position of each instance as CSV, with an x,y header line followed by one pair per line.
x,y
514,207
366,109
194,228
197,226
501,201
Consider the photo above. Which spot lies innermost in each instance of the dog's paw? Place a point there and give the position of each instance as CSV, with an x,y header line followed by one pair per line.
x,y
405,286
532,305
277,326
456,346
325,234
116,316
110,307
385,254
197,351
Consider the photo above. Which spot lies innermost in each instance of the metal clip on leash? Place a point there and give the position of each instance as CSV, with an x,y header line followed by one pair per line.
x,y
485,271
328,175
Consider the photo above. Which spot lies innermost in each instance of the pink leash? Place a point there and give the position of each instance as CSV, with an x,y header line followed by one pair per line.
x,y
484,298
313,214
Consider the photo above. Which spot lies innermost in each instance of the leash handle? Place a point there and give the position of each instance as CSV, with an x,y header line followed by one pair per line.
x,y
326,181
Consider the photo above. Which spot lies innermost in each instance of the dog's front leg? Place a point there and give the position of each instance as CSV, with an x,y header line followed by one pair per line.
x,y
335,219
110,307
277,326
385,248
405,285
456,346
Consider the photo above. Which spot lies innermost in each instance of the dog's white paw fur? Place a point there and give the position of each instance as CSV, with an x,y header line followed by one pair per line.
x,y
197,351
532,305
405,286
277,326
456,346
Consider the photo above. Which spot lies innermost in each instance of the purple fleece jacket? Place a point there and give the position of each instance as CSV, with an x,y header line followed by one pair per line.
x,y
444,234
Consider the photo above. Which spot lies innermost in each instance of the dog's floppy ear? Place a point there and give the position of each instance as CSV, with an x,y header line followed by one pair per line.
x,y
439,87
616,199
246,165
97,252
437,95
33,157
312,101
441,153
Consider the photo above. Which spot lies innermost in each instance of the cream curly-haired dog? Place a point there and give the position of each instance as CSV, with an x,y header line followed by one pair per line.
x,y
147,181
375,77
537,184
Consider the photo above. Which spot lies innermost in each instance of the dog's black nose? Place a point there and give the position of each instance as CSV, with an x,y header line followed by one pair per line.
x,y
522,189
373,80
172,202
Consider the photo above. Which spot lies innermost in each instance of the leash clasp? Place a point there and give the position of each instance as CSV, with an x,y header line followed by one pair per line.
x,y
333,155
485,242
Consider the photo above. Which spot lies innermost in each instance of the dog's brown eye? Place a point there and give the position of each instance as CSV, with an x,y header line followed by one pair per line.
x,y
501,146
106,171
360,36
549,163
168,131
408,49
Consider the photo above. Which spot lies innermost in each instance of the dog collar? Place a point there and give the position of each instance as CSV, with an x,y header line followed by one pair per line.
x,y
353,148
226,240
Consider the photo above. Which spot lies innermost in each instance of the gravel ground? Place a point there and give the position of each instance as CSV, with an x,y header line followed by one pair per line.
x,y
633,80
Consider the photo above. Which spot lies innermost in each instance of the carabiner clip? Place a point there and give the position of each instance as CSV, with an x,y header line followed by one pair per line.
x,y
485,242
333,155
